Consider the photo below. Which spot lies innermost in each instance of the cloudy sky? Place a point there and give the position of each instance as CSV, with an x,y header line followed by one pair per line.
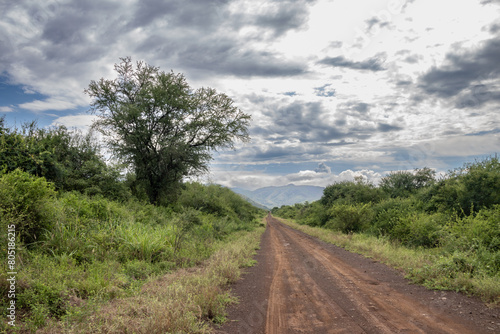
x,y
336,88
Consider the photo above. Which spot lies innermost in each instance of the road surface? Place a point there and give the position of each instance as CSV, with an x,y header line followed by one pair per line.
x,y
303,285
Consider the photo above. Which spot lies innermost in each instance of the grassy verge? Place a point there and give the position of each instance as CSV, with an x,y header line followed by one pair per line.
x,y
180,302
75,253
433,268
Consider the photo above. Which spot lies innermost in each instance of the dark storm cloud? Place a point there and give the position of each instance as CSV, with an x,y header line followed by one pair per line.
x,y
271,153
413,59
284,153
71,23
190,14
283,18
312,122
371,64
236,60
198,37
276,18
323,168
464,73
305,121
362,107
383,127
202,44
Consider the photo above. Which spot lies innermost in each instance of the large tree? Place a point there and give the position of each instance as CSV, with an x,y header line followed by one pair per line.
x,y
163,128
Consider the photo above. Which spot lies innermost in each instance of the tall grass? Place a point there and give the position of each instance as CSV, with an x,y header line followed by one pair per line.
x,y
184,301
75,252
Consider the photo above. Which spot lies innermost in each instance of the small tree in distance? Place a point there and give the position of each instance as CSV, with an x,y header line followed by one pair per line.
x,y
162,128
405,183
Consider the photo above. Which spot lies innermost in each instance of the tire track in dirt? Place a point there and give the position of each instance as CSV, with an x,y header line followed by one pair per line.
x,y
313,287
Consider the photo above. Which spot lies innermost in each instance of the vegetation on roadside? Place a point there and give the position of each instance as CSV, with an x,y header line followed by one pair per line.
x,y
444,234
98,244
183,301
76,251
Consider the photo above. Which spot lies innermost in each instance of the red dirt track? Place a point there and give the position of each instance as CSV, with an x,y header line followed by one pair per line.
x,y
303,285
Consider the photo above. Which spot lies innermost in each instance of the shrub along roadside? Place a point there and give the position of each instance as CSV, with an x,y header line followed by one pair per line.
x,y
436,268
180,302
73,249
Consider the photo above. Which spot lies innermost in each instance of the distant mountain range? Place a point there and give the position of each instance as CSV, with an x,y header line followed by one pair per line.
x,y
270,197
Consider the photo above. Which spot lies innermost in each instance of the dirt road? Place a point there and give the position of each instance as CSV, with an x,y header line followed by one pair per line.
x,y
302,285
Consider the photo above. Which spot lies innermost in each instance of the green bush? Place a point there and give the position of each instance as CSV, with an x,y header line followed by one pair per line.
x,y
350,192
389,213
481,184
475,231
405,183
467,189
349,218
28,202
313,214
419,229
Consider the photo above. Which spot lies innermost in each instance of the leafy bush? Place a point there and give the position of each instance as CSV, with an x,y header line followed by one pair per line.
x,y
349,218
351,192
405,183
28,202
481,230
481,182
389,213
467,189
70,160
419,229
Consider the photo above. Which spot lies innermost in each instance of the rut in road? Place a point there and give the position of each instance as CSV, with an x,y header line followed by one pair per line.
x,y
312,291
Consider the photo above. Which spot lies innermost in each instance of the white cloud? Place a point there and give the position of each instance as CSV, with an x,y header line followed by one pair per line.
x,y
463,146
6,109
49,104
253,180
81,122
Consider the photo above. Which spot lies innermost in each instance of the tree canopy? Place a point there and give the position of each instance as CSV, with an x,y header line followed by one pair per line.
x,y
160,126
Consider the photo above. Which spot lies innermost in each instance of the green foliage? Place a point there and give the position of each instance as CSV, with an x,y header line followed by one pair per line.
x,y
389,213
27,202
467,189
349,218
313,214
419,229
216,200
144,242
405,183
23,150
70,160
161,127
481,182
91,248
481,230
351,192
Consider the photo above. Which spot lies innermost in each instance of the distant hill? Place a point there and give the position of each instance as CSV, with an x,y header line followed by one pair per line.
x,y
249,200
284,195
